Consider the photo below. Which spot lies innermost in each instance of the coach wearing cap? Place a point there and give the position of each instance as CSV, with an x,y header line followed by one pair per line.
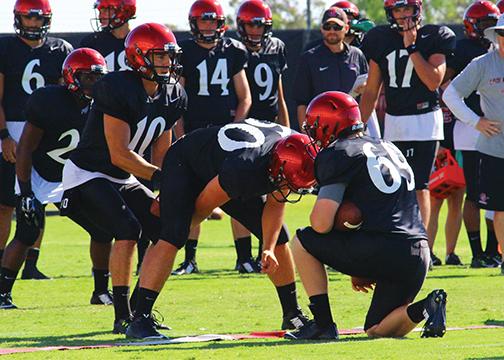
x,y
485,74
330,66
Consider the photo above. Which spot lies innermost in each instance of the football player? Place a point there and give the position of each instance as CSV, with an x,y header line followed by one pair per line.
x,y
388,253
55,117
132,112
214,78
247,168
477,17
28,60
359,25
409,60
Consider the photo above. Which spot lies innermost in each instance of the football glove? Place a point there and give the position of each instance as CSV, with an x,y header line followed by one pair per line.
x,y
31,210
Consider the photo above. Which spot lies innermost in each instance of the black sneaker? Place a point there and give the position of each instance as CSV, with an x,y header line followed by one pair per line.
x,y
435,325
453,259
120,326
158,321
33,274
496,258
144,328
6,302
311,331
248,267
104,298
482,261
187,267
435,260
294,321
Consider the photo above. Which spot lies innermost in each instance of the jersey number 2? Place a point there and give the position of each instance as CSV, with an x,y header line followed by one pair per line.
x,y
57,154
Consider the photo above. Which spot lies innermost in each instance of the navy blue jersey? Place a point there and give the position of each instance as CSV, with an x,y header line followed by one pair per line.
x,y
111,48
239,153
26,69
263,74
378,180
321,70
58,112
208,78
122,95
465,51
405,93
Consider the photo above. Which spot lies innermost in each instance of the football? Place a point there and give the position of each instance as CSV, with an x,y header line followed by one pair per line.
x,y
348,217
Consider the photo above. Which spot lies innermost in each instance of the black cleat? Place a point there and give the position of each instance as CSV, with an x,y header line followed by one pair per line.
x,y
6,302
311,331
144,328
435,260
479,262
435,325
496,258
187,267
248,266
294,321
104,298
453,259
33,274
120,326
158,321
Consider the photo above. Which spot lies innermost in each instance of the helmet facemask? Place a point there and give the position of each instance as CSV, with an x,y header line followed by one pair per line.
x,y
32,33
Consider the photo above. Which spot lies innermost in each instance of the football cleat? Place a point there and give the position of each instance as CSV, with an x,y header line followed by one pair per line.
x,y
294,320
311,331
158,321
120,326
435,311
435,260
104,298
6,302
453,259
187,267
144,328
497,258
33,274
479,262
248,266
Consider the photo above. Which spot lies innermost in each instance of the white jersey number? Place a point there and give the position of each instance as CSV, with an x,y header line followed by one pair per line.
x,y
219,77
392,66
263,77
149,134
57,154
121,61
29,74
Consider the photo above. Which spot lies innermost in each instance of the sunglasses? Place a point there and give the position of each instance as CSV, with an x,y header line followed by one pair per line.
x,y
500,32
334,26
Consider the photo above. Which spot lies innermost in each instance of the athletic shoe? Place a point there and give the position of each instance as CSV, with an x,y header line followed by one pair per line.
x,y
502,269
158,321
120,326
311,331
144,328
33,274
453,259
104,298
294,320
482,261
435,260
248,267
6,302
187,267
435,309
497,258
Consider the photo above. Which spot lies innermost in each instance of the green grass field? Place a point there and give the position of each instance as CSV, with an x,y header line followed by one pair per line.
x,y
219,300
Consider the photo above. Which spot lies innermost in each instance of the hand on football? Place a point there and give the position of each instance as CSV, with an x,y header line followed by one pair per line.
x,y
269,262
9,150
409,35
363,284
488,127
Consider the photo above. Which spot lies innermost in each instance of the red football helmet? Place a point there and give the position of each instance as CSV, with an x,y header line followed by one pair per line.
x,y
207,10
147,40
349,8
81,69
38,8
254,12
332,115
500,5
389,5
292,165
478,16
118,13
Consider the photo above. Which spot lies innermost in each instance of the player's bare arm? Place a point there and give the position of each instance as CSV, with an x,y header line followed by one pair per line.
x,y
371,92
160,147
242,89
212,196
29,141
322,215
8,144
283,112
272,220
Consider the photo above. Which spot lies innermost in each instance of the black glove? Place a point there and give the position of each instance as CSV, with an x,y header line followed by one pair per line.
x,y
31,210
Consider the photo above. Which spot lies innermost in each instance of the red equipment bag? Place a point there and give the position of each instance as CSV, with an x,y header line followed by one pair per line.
x,y
447,176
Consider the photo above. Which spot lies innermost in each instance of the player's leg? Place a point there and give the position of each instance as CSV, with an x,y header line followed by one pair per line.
x,y
499,231
30,270
189,265
432,226
492,245
243,246
453,225
7,200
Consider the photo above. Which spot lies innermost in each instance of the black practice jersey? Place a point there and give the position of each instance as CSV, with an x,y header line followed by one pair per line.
x,y
26,69
57,111
239,153
122,95
209,81
405,93
465,51
111,48
263,73
378,180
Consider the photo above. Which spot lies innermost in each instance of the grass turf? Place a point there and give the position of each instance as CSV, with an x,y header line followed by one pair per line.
x,y
219,300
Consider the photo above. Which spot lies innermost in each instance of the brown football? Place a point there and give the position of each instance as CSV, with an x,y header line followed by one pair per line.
x,y
348,217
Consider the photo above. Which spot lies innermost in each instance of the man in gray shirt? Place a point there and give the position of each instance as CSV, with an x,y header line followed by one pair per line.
x,y
485,74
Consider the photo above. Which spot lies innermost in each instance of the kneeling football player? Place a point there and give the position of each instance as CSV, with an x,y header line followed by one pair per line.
x,y
247,169
388,253
55,115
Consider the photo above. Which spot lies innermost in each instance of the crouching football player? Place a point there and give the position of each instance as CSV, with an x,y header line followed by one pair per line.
x,y
247,169
389,253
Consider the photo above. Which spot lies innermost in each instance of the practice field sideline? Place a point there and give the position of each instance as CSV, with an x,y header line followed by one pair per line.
x,y
220,301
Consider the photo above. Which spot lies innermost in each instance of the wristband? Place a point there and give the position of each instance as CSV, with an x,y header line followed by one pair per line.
x,y
412,49
4,134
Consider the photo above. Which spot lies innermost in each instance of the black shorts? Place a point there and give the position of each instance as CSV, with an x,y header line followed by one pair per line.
x,y
397,264
7,179
180,187
470,165
420,155
491,179
114,210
